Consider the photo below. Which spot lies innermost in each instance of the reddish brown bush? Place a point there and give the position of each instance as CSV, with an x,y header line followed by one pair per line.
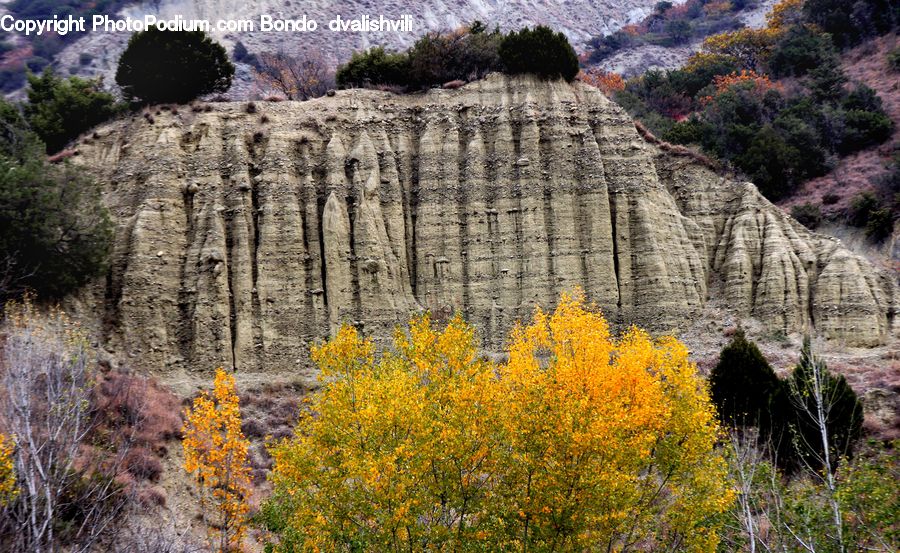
x,y
143,464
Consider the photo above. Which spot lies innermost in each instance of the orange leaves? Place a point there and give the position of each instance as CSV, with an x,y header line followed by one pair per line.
x,y
215,452
607,81
761,82
8,490
578,439
785,14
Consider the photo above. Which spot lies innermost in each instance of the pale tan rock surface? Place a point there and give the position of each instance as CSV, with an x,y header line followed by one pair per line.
x,y
241,240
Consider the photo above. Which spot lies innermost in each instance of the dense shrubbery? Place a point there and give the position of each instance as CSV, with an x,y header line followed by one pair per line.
x,y
842,418
723,101
876,216
54,232
809,215
374,67
747,393
59,110
539,51
742,383
851,22
466,54
172,66
893,59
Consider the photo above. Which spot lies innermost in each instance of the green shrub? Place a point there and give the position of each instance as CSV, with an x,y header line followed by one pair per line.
x,y
539,51
851,22
862,129
55,234
826,82
809,215
373,67
843,412
861,207
893,59
880,224
800,50
464,55
742,384
690,131
172,66
59,109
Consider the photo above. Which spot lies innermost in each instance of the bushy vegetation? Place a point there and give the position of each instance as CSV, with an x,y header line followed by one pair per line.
x,y
851,22
812,384
868,211
893,59
172,66
748,393
463,55
374,67
539,51
725,101
431,447
55,234
75,434
58,109
857,511
809,215
742,384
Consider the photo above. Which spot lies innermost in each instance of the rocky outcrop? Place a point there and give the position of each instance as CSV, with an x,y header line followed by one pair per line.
x,y
243,237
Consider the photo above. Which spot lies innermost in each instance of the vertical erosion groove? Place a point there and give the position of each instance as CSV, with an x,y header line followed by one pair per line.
x,y
230,276
615,246
463,211
255,171
186,298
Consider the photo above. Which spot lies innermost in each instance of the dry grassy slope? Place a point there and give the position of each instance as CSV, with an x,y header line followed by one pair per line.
x,y
579,19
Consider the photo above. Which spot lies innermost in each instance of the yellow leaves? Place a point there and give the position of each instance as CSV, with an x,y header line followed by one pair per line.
x,y
8,489
215,452
785,13
751,47
577,433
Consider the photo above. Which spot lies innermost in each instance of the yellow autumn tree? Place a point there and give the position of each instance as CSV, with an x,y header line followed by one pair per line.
x,y
7,471
581,441
215,453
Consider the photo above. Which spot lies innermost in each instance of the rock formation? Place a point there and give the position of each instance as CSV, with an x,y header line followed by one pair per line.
x,y
242,237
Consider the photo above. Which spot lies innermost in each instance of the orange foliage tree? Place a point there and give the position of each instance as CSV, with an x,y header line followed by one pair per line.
x,y
215,452
761,82
579,442
7,471
607,81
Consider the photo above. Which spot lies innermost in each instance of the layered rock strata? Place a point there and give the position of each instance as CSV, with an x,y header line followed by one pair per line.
x,y
245,234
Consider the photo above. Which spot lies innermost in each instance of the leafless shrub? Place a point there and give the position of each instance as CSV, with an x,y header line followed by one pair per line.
x,y
82,445
67,493
300,77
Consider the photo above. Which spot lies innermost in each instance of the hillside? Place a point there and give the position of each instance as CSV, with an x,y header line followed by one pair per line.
x,y
98,53
243,234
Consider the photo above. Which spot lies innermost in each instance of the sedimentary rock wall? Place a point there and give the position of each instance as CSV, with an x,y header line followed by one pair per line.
x,y
243,234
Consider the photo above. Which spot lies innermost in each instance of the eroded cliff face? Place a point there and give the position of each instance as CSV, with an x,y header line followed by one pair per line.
x,y
242,237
